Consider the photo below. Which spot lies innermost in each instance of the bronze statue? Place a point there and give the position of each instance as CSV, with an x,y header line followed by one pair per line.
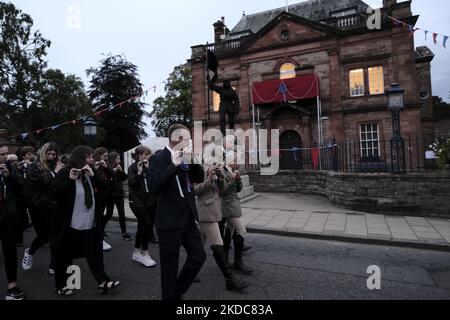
x,y
229,103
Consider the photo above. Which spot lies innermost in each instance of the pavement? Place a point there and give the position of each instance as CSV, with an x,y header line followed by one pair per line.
x,y
315,217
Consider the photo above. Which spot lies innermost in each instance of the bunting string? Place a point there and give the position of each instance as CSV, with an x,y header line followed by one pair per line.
x,y
413,30
98,112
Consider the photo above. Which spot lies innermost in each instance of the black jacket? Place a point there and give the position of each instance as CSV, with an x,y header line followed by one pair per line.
x,y
172,210
38,186
138,193
104,177
63,190
116,184
9,188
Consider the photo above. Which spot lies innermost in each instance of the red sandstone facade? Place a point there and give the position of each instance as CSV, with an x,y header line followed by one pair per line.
x,y
331,49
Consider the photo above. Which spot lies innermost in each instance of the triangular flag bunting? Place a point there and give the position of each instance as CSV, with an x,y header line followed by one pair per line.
x,y
24,135
435,37
445,41
426,34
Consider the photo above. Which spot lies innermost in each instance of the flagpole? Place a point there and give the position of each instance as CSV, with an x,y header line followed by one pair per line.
x,y
207,82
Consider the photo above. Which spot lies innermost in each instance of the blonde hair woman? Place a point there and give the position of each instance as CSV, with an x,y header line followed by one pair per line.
x,y
40,176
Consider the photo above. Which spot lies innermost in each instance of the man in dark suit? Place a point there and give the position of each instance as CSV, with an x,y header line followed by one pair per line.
x,y
172,181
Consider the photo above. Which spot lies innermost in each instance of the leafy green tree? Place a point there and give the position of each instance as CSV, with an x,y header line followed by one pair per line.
x,y
441,108
63,99
176,106
114,81
22,64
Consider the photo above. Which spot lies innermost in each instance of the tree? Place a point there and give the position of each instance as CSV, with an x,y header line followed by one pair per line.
x,y
22,65
176,106
114,81
441,108
63,99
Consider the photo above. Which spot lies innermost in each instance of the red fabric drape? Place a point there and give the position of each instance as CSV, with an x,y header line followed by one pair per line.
x,y
300,88
315,152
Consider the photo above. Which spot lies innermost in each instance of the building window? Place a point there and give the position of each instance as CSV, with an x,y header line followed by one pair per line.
x,y
216,99
357,82
370,141
376,80
287,71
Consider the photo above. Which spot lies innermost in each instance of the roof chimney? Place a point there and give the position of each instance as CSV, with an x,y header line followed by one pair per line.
x,y
220,30
389,3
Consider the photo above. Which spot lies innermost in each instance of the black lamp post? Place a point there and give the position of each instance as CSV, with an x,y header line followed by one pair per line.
x,y
396,104
90,131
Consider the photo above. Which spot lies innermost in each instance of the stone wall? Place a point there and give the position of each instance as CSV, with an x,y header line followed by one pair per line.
x,y
417,194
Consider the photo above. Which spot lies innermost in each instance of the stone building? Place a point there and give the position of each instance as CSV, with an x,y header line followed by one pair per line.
x,y
286,63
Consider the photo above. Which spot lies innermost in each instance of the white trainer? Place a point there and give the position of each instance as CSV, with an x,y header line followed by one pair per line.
x,y
144,260
27,261
148,261
136,256
106,246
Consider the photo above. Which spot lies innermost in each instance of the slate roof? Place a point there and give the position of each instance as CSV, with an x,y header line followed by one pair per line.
x,y
314,10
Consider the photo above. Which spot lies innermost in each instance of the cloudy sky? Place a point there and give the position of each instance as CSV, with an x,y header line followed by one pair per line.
x,y
157,35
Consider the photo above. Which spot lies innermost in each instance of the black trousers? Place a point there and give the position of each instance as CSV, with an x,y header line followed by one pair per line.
x,y
22,218
78,244
119,202
173,286
42,218
223,113
8,239
146,218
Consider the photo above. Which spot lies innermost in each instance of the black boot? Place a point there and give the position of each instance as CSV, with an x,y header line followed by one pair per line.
x,y
238,264
227,242
233,283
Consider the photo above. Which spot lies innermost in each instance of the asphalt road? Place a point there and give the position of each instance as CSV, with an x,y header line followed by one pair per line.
x,y
285,269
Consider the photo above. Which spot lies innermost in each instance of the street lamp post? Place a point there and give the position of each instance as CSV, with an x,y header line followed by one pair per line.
x,y
396,104
90,131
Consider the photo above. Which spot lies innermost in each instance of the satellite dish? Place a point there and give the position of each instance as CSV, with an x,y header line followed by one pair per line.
x,y
424,94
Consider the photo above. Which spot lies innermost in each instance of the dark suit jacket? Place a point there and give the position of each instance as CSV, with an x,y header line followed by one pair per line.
x,y
172,210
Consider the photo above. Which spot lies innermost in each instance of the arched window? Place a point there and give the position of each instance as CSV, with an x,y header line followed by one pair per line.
x,y
287,71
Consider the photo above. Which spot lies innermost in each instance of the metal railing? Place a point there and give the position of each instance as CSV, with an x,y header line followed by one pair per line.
x,y
351,156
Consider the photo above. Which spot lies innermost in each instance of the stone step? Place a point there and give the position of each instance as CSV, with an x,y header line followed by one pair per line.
x,y
255,195
245,181
246,192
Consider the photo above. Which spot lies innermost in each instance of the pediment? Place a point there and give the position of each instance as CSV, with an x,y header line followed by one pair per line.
x,y
287,28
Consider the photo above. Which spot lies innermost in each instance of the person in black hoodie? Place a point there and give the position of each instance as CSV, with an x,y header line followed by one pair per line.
x,y
40,175
25,158
142,203
116,194
78,225
10,182
102,171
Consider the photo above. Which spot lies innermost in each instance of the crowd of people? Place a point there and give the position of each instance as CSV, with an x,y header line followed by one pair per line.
x,y
71,199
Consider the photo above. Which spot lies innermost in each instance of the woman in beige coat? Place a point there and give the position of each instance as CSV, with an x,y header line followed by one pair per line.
x,y
231,208
209,215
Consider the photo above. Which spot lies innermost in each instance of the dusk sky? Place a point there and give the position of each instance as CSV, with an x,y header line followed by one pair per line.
x,y
158,35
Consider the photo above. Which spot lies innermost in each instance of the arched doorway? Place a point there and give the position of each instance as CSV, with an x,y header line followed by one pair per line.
x,y
290,160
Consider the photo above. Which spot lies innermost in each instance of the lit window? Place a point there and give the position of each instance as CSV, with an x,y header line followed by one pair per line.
x,y
370,141
216,99
376,80
357,82
287,71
